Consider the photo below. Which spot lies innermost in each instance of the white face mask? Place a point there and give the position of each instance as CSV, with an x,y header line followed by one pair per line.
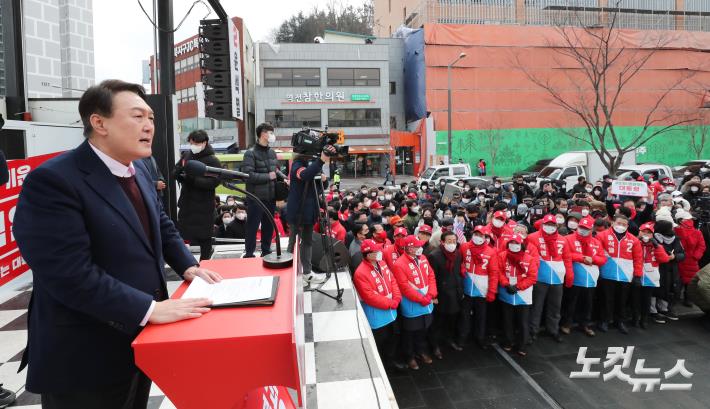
x,y
498,223
465,200
230,203
514,247
585,212
589,190
420,251
227,220
415,209
645,238
572,224
549,229
388,197
497,185
670,188
272,138
686,173
506,201
509,214
450,247
424,188
560,220
619,228
196,149
693,189
584,232
385,220
363,191
478,240
378,256
241,216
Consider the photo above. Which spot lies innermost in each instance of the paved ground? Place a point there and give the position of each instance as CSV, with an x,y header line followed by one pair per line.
x,y
484,379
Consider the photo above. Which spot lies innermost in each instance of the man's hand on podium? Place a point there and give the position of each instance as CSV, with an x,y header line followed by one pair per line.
x,y
177,310
207,275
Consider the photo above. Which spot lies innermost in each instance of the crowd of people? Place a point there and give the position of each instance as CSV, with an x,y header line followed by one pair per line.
x,y
509,262
512,260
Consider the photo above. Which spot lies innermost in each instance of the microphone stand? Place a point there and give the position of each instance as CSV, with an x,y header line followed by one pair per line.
x,y
272,261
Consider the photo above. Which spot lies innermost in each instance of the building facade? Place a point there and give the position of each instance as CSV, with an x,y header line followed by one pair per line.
x,y
355,87
59,47
187,80
692,15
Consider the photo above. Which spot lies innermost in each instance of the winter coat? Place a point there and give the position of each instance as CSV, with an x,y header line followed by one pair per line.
x,y
624,257
580,247
258,162
378,291
449,283
555,258
500,236
196,204
412,279
390,254
521,271
694,246
234,230
298,211
675,247
480,270
653,256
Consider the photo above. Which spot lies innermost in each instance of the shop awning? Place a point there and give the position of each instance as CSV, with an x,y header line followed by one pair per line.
x,y
358,150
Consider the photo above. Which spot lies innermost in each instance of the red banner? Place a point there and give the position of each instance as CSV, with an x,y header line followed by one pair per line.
x,y
11,262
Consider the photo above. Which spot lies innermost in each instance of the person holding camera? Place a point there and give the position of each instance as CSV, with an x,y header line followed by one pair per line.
x,y
262,167
302,206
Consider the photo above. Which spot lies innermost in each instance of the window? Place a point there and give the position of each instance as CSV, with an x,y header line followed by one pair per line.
x,y
293,118
393,88
393,122
441,173
292,77
348,77
459,171
353,118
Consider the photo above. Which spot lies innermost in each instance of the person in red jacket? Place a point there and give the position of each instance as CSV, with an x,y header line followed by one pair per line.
x,y
624,263
337,231
380,297
518,273
694,246
392,252
642,290
417,283
587,256
499,231
554,270
480,271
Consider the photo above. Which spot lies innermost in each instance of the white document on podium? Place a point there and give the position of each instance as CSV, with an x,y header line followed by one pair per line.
x,y
231,291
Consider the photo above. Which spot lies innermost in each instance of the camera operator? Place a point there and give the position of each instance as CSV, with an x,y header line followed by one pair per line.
x,y
262,167
302,206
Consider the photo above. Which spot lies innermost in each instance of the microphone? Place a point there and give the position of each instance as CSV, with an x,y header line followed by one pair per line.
x,y
197,168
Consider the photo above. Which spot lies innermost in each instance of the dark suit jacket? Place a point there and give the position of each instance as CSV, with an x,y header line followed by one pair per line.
x,y
95,272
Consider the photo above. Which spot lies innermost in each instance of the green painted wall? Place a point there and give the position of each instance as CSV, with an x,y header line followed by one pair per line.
x,y
520,148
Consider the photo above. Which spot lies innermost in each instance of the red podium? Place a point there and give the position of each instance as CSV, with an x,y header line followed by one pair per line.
x,y
214,361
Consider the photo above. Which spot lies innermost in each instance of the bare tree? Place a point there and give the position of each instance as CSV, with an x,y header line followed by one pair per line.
x,y
491,141
699,133
598,66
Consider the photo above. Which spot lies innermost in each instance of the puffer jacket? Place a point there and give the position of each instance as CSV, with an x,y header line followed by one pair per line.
x,y
694,245
258,162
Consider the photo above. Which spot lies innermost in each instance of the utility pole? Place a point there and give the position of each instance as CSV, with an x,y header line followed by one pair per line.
x,y
448,71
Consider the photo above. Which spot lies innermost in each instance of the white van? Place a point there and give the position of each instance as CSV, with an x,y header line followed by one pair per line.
x,y
433,174
568,167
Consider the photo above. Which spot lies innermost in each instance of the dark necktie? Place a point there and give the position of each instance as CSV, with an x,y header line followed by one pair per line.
x,y
130,187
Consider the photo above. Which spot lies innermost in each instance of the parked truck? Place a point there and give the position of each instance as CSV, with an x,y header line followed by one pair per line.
x,y
566,168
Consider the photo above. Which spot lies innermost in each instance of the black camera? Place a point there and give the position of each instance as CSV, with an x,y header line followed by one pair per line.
x,y
311,142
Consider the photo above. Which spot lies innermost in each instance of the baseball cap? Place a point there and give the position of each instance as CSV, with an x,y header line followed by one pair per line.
x,y
549,218
400,231
412,241
500,215
368,246
412,196
516,238
480,229
425,228
395,219
647,226
375,205
587,222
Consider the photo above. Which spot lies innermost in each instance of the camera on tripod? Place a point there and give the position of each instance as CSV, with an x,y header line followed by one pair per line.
x,y
311,142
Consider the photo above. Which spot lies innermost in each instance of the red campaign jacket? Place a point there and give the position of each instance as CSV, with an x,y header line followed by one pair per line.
x,y
420,277
485,259
629,248
508,267
536,243
390,254
337,231
654,256
694,246
500,236
373,287
581,247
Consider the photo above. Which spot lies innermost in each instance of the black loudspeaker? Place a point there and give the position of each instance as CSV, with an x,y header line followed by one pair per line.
x,y
320,261
164,149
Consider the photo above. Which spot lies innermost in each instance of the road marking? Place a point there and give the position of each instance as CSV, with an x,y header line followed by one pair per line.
x,y
543,394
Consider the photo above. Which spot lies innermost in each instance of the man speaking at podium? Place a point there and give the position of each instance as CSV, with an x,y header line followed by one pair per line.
x,y
91,228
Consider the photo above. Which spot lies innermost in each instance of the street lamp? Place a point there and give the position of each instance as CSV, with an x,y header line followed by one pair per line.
x,y
448,71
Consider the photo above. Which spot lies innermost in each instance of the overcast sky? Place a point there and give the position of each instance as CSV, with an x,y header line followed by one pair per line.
x,y
123,36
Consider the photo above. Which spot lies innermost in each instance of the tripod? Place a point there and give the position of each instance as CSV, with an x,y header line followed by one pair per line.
x,y
327,244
